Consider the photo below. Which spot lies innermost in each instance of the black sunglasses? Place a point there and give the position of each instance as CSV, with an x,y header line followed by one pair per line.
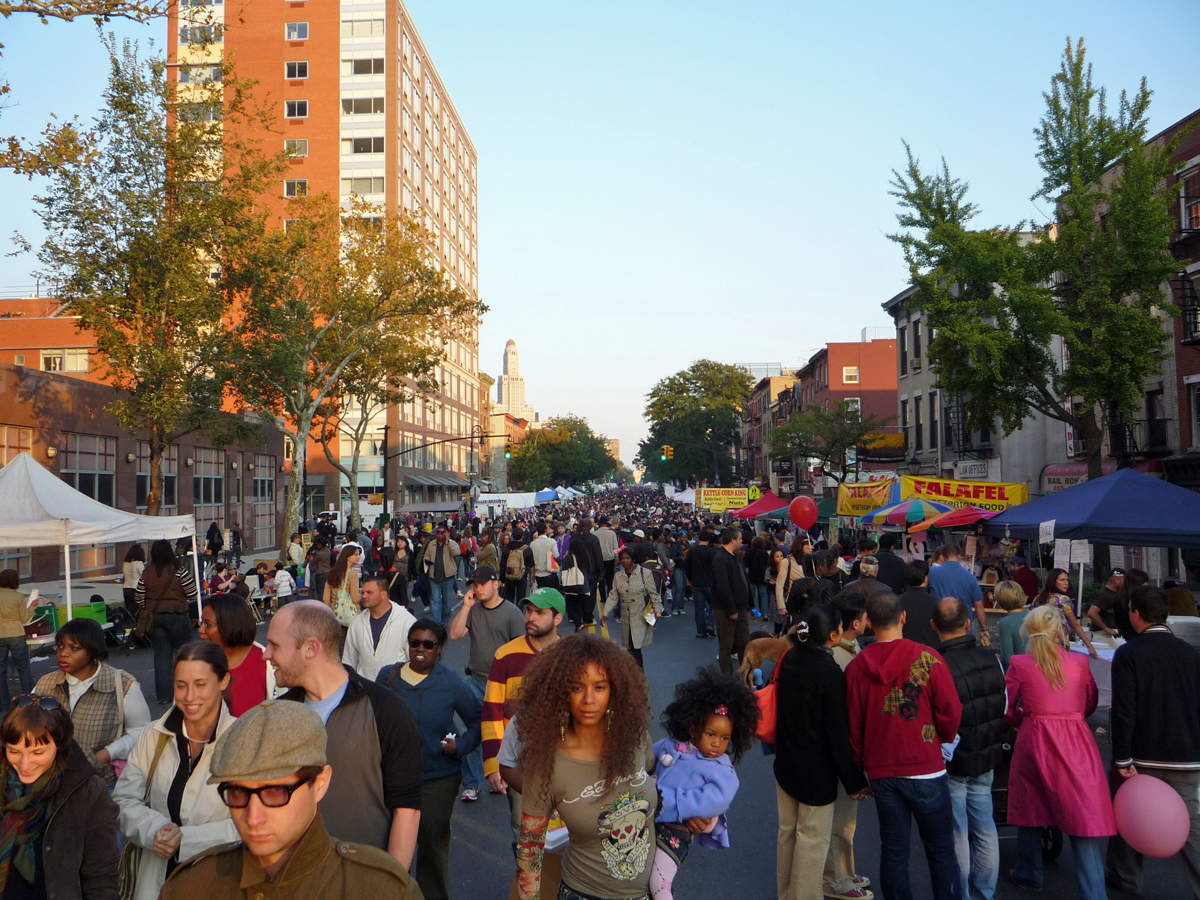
x,y
46,703
424,645
235,796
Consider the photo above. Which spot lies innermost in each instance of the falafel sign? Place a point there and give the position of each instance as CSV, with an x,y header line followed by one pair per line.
x,y
998,495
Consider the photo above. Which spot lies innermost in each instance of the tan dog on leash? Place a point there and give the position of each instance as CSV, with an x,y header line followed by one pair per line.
x,y
756,651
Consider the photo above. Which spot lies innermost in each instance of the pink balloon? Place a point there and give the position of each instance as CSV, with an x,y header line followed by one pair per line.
x,y
803,512
1151,817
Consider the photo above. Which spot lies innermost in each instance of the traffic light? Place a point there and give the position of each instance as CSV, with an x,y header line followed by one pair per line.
x,y
670,452
662,453
508,451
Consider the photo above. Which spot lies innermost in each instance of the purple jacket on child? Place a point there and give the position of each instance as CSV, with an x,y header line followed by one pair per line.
x,y
693,785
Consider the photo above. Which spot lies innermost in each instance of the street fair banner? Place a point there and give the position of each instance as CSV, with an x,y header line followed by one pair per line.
x,y
719,500
997,495
860,498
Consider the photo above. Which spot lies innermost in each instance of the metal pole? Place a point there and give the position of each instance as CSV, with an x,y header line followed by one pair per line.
x,y
385,471
67,570
196,575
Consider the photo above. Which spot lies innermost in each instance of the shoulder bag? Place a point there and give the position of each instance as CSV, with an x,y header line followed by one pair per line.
x,y
131,853
649,616
767,700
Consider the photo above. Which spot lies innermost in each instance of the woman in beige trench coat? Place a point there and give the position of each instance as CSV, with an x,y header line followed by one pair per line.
x,y
633,587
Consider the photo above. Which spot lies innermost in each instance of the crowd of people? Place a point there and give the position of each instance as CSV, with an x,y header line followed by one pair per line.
x,y
328,759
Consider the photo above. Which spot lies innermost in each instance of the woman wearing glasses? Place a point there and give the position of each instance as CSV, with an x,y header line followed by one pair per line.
x,y
434,694
54,808
168,808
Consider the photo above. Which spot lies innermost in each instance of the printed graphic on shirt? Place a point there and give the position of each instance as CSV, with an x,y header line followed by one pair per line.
x,y
903,698
625,827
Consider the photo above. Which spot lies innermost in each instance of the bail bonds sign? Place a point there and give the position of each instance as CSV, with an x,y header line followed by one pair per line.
x,y
996,495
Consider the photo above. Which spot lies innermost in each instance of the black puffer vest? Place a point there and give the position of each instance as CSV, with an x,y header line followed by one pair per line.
x,y
980,682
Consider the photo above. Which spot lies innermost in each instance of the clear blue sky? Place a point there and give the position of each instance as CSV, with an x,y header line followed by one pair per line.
x,y
661,182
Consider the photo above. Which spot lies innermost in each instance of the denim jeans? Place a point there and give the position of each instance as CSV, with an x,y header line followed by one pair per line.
x,y
704,619
316,589
1089,863
443,595
170,632
15,649
897,802
760,596
677,582
976,843
472,763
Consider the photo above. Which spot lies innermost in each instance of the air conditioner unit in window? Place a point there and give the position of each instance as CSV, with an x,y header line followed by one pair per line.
x,y
915,365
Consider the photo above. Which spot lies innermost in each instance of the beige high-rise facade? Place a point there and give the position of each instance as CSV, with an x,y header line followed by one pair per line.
x,y
364,112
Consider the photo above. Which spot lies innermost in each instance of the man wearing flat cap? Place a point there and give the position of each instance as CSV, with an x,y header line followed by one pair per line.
x,y
271,771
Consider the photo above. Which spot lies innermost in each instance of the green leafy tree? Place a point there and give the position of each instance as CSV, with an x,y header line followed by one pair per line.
x,y
137,237
318,295
63,143
1000,298
695,411
565,451
825,434
387,373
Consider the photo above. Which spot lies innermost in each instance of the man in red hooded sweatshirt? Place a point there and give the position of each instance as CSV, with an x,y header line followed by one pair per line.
x,y
902,707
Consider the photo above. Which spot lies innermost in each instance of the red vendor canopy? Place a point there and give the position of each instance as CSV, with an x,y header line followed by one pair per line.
x,y
767,503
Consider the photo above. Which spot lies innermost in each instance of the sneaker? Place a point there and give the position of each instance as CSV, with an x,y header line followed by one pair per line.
x,y
854,893
469,795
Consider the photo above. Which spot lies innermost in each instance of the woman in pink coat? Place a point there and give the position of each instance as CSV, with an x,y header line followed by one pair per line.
x,y
1057,778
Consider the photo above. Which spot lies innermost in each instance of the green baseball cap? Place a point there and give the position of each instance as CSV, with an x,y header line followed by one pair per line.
x,y
548,598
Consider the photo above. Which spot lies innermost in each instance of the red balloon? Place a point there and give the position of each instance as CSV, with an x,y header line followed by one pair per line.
x,y
1151,816
803,512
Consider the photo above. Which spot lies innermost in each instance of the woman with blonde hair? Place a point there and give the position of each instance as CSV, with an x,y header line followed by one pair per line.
x,y
1057,779
1010,597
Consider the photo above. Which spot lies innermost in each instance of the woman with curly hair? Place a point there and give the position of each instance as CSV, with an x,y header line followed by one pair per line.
x,y
583,714
712,717
812,755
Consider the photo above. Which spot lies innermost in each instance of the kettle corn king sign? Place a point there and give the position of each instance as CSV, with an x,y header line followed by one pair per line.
x,y
984,494
722,499
858,499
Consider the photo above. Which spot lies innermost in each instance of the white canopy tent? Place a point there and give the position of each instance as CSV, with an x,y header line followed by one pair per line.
x,y
37,509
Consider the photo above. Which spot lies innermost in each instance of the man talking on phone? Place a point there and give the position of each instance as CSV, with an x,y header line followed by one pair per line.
x,y
491,622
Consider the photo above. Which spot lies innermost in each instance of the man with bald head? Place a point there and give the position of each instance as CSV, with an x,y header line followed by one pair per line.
x,y
374,795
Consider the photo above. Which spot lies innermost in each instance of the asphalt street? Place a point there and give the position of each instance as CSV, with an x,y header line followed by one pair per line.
x,y
481,865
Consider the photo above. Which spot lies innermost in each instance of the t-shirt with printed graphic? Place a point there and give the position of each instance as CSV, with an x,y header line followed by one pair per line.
x,y
611,825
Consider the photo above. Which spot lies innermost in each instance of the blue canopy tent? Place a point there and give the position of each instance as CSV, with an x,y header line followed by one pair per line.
x,y
1126,508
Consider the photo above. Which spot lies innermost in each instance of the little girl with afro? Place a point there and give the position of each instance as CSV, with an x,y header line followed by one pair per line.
x,y
712,718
